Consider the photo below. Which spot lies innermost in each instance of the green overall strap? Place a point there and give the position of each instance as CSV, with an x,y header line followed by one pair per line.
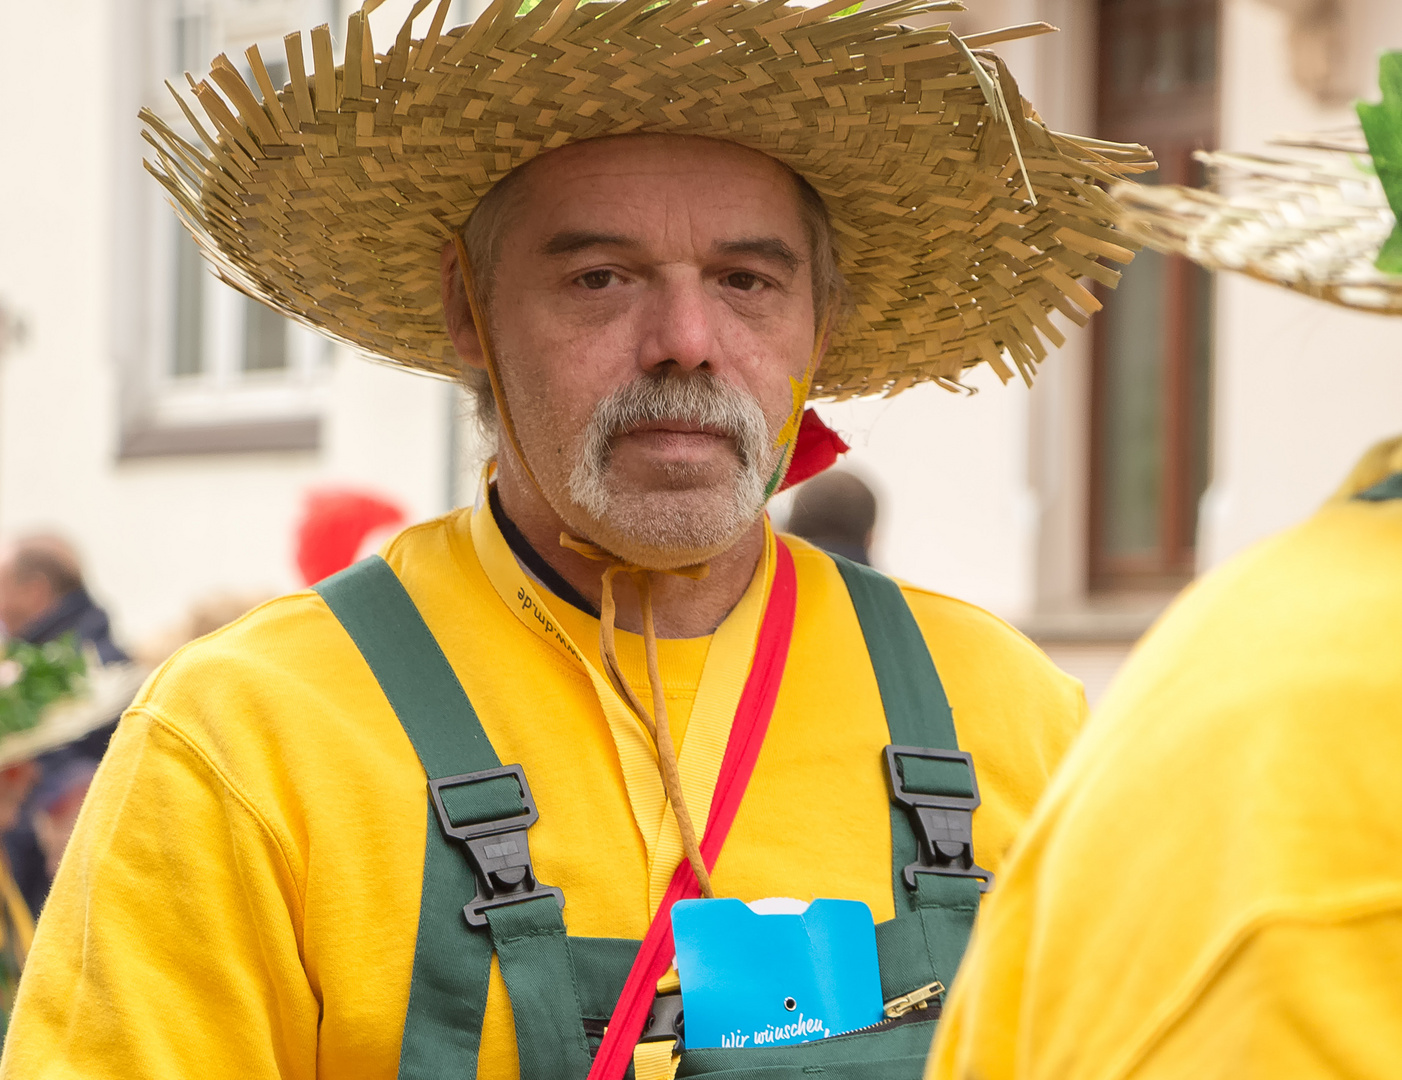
x,y
935,909
452,961
1384,490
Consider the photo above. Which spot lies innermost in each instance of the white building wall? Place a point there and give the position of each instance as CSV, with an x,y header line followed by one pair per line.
x,y
950,473
1301,387
160,533
157,533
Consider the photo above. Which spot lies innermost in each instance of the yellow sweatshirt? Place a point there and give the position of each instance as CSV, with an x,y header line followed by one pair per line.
x,y
1212,887
241,895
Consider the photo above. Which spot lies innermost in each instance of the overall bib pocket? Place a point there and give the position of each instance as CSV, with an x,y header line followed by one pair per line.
x,y
891,1053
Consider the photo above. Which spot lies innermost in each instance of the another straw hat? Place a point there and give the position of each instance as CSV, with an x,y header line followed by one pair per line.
x,y
329,199
1313,223
107,691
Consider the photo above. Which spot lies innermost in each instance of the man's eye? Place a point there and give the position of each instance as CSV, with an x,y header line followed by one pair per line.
x,y
596,279
744,281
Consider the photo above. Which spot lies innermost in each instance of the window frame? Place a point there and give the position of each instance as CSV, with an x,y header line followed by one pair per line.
x,y
1173,125
223,407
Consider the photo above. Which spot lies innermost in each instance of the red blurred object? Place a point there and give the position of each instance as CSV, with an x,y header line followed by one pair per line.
x,y
335,525
817,448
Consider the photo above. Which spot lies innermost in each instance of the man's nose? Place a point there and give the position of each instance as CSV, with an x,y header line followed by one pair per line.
x,y
680,326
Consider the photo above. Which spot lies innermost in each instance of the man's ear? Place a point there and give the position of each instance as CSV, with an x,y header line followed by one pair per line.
x,y
462,331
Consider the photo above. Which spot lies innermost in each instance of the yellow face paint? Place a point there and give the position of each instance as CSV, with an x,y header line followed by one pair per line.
x,y
799,387
787,436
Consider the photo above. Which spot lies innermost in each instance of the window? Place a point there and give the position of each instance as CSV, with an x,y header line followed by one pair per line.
x,y
223,357
1152,357
211,370
221,372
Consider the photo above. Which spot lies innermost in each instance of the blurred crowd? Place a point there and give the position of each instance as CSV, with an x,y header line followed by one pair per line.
x,y
43,597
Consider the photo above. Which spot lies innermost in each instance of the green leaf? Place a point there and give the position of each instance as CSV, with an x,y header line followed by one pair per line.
x,y
33,677
1389,259
1382,127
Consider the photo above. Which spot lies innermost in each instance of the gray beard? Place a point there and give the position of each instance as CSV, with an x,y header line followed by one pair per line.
x,y
660,527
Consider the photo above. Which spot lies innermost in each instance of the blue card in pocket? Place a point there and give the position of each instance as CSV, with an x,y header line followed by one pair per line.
x,y
785,973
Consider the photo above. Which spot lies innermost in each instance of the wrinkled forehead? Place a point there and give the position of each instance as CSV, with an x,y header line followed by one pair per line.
x,y
649,151
649,169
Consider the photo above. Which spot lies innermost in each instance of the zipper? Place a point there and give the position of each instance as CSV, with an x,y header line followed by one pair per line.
x,y
920,1004
917,999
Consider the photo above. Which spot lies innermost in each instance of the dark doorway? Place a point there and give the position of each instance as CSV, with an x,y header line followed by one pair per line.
x,y
1152,357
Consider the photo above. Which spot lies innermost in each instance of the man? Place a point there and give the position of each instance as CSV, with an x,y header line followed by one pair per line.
x,y
1211,886
42,598
836,512
78,702
610,665
17,779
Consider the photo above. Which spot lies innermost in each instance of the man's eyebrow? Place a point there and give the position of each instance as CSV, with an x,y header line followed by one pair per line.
x,y
766,247
571,240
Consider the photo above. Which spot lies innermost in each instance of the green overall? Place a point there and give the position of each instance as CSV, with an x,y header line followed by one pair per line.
x,y
1384,490
562,987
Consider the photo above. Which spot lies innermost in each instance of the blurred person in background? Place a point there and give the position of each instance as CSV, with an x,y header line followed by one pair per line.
x,y
76,700
204,616
17,780
835,511
1211,887
55,804
42,598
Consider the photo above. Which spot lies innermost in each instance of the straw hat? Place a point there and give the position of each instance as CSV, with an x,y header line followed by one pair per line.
x,y
1314,224
962,220
107,690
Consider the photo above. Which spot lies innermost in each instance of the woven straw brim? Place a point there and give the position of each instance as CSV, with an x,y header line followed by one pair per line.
x,y
1312,225
330,198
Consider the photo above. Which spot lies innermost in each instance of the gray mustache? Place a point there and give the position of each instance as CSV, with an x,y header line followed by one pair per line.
x,y
702,400
694,398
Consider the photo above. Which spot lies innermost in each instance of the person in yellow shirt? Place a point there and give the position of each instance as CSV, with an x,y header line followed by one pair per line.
x,y
430,817
1211,886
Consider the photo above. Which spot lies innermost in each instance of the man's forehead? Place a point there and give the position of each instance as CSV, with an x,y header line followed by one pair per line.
x,y
629,173
655,153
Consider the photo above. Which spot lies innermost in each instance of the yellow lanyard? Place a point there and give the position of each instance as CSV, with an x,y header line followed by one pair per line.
x,y
717,695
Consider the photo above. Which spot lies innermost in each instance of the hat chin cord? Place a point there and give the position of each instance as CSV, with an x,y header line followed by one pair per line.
x,y
658,728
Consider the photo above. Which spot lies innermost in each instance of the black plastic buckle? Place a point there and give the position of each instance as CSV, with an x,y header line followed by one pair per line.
x,y
944,824
497,849
665,1023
